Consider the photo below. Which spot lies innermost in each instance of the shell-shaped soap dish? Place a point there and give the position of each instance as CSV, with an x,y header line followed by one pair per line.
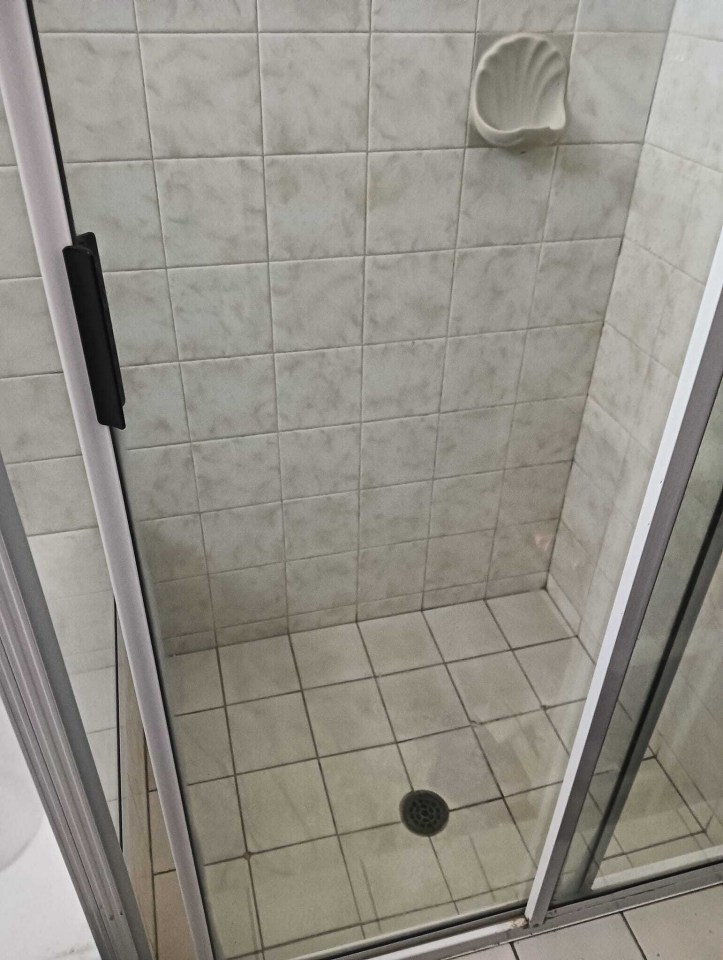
x,y
518,92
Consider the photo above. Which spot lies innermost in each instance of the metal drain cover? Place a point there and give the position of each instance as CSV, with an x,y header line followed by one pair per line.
x,y
424,812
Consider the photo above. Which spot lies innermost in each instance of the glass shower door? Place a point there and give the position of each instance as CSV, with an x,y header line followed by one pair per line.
x,y
655,805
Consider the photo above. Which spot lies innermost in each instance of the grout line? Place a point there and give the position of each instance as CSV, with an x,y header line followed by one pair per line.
x,y
643,954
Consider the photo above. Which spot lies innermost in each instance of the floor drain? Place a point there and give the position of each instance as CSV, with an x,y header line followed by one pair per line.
x,y
424,812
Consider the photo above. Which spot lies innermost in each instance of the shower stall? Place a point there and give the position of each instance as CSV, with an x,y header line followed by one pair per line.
x,y
403,450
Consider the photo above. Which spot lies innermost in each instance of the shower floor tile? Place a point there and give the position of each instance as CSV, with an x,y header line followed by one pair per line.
x,y
319,737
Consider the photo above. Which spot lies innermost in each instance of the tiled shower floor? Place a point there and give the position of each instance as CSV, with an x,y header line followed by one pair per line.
x,y
298,751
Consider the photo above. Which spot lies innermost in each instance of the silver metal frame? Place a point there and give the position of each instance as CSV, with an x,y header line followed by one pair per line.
x,y
28,117
30,129
35,688
698,386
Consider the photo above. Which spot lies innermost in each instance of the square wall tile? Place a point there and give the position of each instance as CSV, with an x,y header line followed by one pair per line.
x,y
465,504
203,94
482,371
391,571
328,74
321,583
533,493
515,15
409,105
244,596
160,481
243,537
402,379
321,525
142,318
237,472
318,388
232,15
558,361
591,190
365,787
284,805
619,15
120,201
172,547
493,288
544,431
573,281
611,84
347,716
225,398
221,311
118,131
37,421
425,15
458,559
330,655
155,410
52,495
28,347
394,514
407,296
317,461
397,451
465,630
399,643
75,15
412,200
522,549
317,303
313,14
212,210
504,196
267,733
315,205
473,441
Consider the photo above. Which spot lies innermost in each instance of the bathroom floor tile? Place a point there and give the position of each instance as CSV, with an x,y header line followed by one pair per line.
x,y
688,926
595,940
348,716
216,819
453,765
524,752
203,743
258,668
421,702
465,630
265,733
330,655
527,618
559,671
284,805
493,687
365,787
302,891
393,871
399,643
231,898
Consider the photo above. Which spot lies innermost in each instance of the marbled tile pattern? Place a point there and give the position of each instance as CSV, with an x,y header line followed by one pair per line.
x,y
351,343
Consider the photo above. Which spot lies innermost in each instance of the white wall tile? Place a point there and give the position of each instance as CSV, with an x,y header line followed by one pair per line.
x,y
36,419
162,481
229,398
465,504
407,296
320,583
315,205
558,361
212,210
482,371
397,451
436,114
317,303
619,15
237,472
87,15
119,130
28,347
400,379
203,94
315,92
544,431
394,514
321,460
424,14
702,18
155,410
221,311
458,559
52,495
313,14
321,525
192,15
412,200
318,388
244,537
504,196
492,289
17,252
142,320
573,281
243,596
391,571
473,441
535,15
